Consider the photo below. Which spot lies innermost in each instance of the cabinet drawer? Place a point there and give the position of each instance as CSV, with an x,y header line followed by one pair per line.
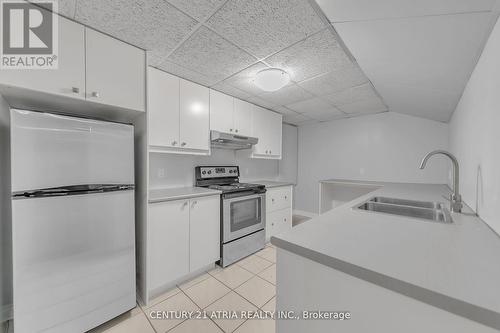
x,y
278,221
278,198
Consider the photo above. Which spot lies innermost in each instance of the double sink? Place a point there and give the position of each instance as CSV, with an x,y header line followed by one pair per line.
x,y
426,210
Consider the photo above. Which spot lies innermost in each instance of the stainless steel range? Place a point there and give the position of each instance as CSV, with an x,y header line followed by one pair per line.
x,y
243,211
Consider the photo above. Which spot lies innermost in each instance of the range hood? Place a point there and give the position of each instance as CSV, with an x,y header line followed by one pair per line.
x,y
231,141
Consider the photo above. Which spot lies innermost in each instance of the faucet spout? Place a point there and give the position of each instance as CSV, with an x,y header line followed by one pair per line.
x,y
455,198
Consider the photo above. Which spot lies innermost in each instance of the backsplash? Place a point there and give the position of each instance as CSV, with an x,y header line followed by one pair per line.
x,y
170,170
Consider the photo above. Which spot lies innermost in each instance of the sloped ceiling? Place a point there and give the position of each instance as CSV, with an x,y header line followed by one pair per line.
x,y
222,44
419,55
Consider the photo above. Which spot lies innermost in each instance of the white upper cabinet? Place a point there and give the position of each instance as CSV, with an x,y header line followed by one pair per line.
x,y
267,126
163,108
69,78
178,113
115,72
221,112
242,117
229,114
194,116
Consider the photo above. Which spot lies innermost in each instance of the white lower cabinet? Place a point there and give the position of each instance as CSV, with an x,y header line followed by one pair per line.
x,y
204,240
183,237
278,210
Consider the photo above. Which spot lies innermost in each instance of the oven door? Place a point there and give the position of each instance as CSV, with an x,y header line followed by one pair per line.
x,y
242,215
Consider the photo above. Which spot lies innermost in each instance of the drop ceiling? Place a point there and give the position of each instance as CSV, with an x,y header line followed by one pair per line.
x,y
222,44
419,55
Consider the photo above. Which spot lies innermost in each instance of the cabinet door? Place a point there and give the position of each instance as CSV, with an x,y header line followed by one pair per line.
x,y
275,123
259,130
204,232
243,117
221,112
194,116
69,78
163,108
115,71
168,242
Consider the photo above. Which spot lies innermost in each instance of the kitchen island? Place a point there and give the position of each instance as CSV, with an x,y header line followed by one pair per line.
x,y
391,273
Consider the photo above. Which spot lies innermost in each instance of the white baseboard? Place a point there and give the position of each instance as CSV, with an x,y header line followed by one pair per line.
x,y
304,213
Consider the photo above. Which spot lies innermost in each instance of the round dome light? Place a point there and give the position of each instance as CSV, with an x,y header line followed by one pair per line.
x,y
271,79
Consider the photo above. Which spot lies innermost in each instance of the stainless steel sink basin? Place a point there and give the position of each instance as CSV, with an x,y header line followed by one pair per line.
x,y
431,211
411,203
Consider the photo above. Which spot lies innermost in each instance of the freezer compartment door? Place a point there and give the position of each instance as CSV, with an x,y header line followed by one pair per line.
x,y
51,150
73,261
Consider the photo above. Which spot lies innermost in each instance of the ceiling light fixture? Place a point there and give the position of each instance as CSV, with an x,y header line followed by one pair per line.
x,y
271,79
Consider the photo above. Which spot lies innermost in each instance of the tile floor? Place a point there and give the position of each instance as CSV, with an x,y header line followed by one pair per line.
x,y
248,285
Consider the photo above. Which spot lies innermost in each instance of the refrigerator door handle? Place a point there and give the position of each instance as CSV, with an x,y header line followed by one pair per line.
x,y
72,190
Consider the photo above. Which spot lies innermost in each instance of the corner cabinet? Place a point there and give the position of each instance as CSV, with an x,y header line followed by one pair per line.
x,y
267,126
178,112
183,238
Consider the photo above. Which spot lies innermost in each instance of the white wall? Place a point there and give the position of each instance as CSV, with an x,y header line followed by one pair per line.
x,y
384,147
5,214
475,135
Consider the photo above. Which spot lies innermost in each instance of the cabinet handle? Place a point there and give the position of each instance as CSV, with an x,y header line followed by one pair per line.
x,y
285,219
266,151
184,204
286,197
236,131
270,152
272,199
75,90
230,130
174,143
183,144
95,94
194,203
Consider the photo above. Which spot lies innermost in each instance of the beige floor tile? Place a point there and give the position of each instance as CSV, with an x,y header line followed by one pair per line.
x,y
268,253
257,290
269,274
196,326
215,270
254,264
178,302
270,306
192,282
231,302
207,291
270,245
160,298
133,324
233,276
257,326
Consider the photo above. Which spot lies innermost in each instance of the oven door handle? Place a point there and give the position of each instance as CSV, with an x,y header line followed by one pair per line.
x,y
244,197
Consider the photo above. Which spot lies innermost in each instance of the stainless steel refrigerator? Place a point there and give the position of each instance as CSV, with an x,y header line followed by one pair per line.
x,y
72,221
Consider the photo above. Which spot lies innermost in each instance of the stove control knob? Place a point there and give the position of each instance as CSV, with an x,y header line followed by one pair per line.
x,y
230,171
209,172
204,172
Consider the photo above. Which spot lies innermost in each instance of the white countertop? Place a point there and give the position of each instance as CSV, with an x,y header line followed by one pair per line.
x,y
272,183
178,193
458,263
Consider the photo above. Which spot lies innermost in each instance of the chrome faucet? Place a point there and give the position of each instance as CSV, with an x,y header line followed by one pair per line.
x,y
455,198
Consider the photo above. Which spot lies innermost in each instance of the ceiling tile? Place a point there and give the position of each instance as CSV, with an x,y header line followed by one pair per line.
x,y
372,105
230,90
284,110
296,119
152,25
323,116
356,10
199,9
65,7
186,73
244,79
312,105
211,55
318,54
351,95
263,27
334,81
287,95
260,102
